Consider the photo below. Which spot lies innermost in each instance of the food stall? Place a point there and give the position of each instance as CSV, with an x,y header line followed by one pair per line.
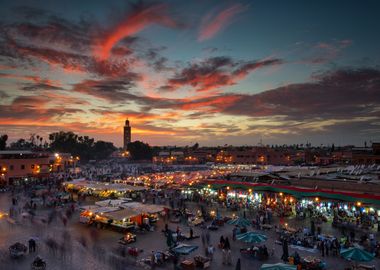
x,y
94,213
148,212
102,189
123,219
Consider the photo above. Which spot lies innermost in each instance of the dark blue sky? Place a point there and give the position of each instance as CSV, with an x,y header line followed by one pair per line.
x,y
215,72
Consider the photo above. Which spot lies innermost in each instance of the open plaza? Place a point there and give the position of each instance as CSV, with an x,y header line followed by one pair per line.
x,y
215,217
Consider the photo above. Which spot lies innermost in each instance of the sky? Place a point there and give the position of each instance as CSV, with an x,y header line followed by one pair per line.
x,y
213,72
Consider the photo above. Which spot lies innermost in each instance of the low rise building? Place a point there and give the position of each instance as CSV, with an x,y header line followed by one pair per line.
x,y
17,167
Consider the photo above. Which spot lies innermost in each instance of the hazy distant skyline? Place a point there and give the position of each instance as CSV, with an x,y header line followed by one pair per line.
x,y
212,72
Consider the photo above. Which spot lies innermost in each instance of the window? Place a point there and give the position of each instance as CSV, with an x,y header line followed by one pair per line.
x,y
22,167
32,166
11,167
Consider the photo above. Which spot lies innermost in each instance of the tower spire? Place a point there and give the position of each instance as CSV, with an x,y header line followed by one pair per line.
x,y
127,134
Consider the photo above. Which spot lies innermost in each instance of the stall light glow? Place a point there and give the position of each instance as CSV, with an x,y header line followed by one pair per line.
x,y
316,199
281,194
345,207
328,205
358,203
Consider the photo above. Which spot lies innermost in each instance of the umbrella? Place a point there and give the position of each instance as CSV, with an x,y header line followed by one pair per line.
x,y
278,266
239,222
356,254
251,237
184,249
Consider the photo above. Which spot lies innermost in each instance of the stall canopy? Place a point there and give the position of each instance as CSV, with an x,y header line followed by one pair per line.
x,y
102,186
239,222
114,203
298,191
145,208
278,266
98,209
356,254
184,249
121,214
251,237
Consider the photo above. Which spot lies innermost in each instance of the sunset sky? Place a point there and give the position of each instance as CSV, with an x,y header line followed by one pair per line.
x,y
213,72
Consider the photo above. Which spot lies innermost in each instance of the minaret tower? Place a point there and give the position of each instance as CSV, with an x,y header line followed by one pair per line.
x,y
127,134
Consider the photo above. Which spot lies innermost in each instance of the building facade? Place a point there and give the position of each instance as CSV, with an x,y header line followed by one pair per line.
x,y
18,167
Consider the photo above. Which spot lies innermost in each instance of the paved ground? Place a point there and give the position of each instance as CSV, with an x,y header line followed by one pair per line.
x,y
100,251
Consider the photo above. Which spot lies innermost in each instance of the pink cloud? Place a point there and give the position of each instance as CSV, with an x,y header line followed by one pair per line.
x,y
212,25
133,24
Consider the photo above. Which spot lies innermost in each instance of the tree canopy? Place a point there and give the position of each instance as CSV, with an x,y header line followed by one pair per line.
x,y
140,151
3,141
83,146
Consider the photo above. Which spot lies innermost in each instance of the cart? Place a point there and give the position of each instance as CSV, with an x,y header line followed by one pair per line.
x,y
17,250
201,261
38,264
127,239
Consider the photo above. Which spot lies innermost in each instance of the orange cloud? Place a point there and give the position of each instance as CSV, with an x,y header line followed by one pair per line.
x,y
213,104
211,26
133,24
30,78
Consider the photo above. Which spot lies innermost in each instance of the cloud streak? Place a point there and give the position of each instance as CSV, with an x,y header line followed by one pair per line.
x,y
135,22
213,24
214,73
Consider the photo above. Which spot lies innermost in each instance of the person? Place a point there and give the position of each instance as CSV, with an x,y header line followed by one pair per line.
x,y
221,242
285,251
210,251
175,261
208,237
228,257
234,230
297,258
227,244
323,248
224,256
32,245
203,236
152,259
